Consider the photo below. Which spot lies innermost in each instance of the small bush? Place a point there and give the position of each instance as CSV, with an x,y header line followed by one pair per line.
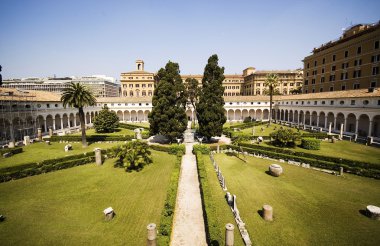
x,y
284,137
311,143
247,119
177,149
204,149
13,151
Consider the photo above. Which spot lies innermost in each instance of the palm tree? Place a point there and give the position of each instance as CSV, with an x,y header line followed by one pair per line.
x,y
271,81
78,96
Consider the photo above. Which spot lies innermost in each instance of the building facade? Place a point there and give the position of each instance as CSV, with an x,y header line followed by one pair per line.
x,y
102,86
137,83
349,63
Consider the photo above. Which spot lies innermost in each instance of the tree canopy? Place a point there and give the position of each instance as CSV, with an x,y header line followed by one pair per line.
x,y
168,115
106,121
210,107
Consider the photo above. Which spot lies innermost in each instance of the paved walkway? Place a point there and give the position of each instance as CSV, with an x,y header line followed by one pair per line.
x,y
188,226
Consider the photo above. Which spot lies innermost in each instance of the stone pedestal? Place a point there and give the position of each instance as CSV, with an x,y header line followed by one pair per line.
x,y
188,136
217,149
230,234
26,140
373,212
39,134
98,156
109,213
341,171
11,144
267,213
275,170
50,132
152,235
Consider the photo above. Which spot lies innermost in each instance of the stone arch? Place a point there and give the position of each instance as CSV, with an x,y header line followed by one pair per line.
x,y
251,113
238,116
6,128
259,114
302,117
291,116
65,120
266,114
350,123
330,119
92,116
120,115
363,125
127,116
295,116
189,115
77,119
133,115
339,120
376,126
71,120
244,113
140,115
307,118
314,118
231,115
88,120
40,123
321,122
57,119
146,115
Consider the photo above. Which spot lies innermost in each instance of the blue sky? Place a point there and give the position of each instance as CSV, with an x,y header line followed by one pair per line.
x,y
42,38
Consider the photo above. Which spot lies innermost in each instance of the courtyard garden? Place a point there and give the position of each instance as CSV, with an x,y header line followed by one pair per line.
x,y
310,207
66,207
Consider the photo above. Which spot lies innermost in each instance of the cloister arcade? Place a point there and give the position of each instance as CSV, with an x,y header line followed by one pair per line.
x,y
133,115
355,121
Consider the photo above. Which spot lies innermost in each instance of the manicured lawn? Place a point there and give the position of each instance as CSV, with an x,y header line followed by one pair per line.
x,y
41,151
310,207
118,132
66,207
137,124
345,150
263,130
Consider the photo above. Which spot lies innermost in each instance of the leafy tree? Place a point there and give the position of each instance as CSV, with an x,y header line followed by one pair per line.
x,y
78,96
133,155
106,121
285,137
193,90
210,107
168,116
297,90
271,82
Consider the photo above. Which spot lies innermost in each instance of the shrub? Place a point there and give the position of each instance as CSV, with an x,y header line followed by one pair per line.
x,y
204,149
13,151
240,136
177,149
247,119
92,138
131,126
106,121
284,137
167,215
311,143
133,155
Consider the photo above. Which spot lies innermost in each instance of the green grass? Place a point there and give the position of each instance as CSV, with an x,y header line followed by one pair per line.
x,y
66,207
118,132
41,151
137,124
310,207
267,130
344,150
218,212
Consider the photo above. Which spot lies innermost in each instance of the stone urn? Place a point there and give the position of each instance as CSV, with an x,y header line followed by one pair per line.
x,y
275,170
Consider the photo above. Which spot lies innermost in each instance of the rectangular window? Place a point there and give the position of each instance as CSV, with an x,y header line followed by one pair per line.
x,y
333,68
331,102
323,61
375,70
343,87
323,70
315,63
377,44
352,102
313,81
306,82
333,57
346,54
307,65
331,89
332,77
359,50
373,84
137,85
356,86
322,79
321,90
315,102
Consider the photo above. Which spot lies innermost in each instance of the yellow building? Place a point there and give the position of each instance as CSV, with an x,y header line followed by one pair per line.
x,y
138,83
350,62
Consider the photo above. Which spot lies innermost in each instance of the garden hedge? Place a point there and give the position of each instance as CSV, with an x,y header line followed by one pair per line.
x,y
92,138
166,220
131,126
172,149
13,151
311,143
351,166
202,148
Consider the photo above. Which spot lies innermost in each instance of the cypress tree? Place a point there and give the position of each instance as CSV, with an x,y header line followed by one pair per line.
x,y
168,116
210,107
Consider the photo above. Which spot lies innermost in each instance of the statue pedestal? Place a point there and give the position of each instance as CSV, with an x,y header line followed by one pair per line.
x,y
188,136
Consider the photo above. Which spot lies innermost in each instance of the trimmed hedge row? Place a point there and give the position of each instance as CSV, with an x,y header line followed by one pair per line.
x,y
316,162
13,151
38,168
352,163
167,215
202,148
248,125
92,138
131,127
172,149
311,143
213,233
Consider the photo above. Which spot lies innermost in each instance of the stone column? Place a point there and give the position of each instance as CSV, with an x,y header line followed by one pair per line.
x,y
75,121
370,128
54,128
45,126
330,123
98,156
11,143
68,122
341,131
26,140
341,171
317,120
230,234
304,119
90,118
267,212
334,123
325,121
310,121
357,126
123,116
298,118
61,123
50,132
39,134
152,235
345,124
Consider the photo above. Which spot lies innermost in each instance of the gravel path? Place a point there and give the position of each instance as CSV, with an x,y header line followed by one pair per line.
x,y
188,226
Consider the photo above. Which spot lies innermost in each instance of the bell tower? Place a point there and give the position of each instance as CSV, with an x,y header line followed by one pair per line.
x,y
140,65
